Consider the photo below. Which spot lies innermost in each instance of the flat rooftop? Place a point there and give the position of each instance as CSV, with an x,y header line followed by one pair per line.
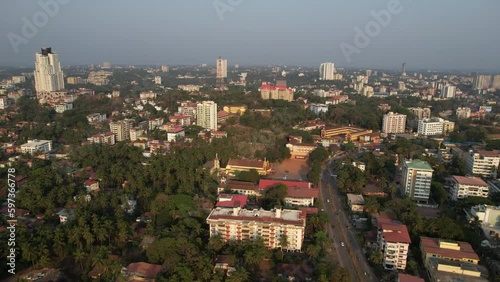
x,y
418,164
286,216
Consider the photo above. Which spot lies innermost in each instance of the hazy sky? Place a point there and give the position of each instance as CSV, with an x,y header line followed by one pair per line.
x,y
445,34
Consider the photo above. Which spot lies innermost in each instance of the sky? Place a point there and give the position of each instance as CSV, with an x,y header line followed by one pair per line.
x,y
426,34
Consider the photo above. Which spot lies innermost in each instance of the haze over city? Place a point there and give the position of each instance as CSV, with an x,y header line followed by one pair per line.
x,y
449,35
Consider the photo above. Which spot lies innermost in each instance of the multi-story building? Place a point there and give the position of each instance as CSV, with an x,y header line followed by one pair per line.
x,y
48,74
235,109
401,86
155,123
103,138
496,82
367,91
158,80
96,117
4,102
175,134
106,65
299,193
393,241
327,71
318,108
278,92
463,112
148,95
189,87
394,123
435,126
135,133
75,80
421,113
462,187
447,260
19,79
481,82
61,108
416,180
241,224
36,146
121,129
482,162
206,115
181,120
221,68
99,77
164,68
448,91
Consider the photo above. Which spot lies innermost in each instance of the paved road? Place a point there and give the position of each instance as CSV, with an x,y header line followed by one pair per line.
x,y
349,256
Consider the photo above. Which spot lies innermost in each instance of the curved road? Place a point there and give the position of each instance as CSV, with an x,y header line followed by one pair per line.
x,y
350,256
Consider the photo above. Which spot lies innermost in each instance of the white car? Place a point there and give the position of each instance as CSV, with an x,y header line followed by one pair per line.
x,y
342,244
327,200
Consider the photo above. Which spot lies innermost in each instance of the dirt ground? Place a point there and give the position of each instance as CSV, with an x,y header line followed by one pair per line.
x,y
292,169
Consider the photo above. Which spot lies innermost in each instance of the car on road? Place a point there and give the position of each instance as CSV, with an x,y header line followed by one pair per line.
x,y
327,200
342,244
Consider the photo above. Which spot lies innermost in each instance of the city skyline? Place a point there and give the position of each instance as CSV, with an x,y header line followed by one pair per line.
x,y
301,34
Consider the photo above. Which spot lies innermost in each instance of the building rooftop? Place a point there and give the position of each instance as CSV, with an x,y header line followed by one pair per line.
x,y
409,278
294,217
299,192
393,231
492,154
418,164
246,163
356,199
238,185
143,269
232,200
448,249
476,181
269,183
454,271
35,143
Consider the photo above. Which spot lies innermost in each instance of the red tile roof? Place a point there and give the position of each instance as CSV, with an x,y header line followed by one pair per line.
x,y
144,269
176,130
476,181
239,185
236,200
431,246
494,153
268,183
89,182
299,192
393,231
308,210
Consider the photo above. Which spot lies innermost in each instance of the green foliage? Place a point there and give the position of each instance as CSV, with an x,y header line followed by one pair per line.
x,y
251,175
275,197
350,179
438,193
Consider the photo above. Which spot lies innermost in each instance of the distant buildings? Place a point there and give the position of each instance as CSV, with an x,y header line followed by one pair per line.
x,y
394,123
36,146
189,87
164,68
435,126
278,92
99,77
106,65
235,109
367,91
48,74
121,129
483,163
463,112
416,180
327,71
236,165
448,91
462,187
103,138
241,224
75,80
318,108
421,113
481,82
496,82
221,72
206,115
19,79
393,240
96,117
158,80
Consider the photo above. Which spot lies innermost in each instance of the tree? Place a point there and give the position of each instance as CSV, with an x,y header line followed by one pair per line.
x,y
275,196
371,205
240,274
438,192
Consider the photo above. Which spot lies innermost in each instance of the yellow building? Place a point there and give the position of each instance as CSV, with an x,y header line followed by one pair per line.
x,y
262,167
349,133
234,109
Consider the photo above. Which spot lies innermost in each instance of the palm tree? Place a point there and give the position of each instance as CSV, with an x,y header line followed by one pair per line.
x,y
80,257
240,275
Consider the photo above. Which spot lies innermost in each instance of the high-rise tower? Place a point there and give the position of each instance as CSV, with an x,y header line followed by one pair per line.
x,y
221,72
48,74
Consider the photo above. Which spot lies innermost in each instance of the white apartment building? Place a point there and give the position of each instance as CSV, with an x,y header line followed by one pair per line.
x,y
121,129
488,216
34,146
367,91
175,134
189,87
393,241
318,108
221,67
482,162
18,79
416,180
463,112
155,123
61,108
448,91
158,80
48,74
96,117
462,187
4,102
206,115
164,68
481,82
421,113
394,123
103,138
327,71
435,126
242,224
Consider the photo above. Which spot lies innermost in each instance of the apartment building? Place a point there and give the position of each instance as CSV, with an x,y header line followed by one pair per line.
x,y
463,112
421,113
4,102
299,193
416,180
393,241
394,123
435,126
206,115
462,187
483,163
278,92
155,123
488,216
96,117
235,109
103,138
36,146
175,134
242,224
121,129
